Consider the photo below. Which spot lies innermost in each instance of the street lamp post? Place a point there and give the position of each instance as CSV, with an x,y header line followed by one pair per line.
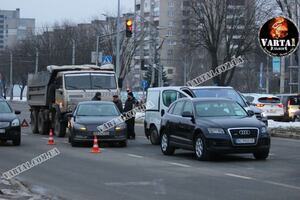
x,y
118,43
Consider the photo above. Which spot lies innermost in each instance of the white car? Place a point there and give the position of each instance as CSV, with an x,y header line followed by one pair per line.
x,y
161,97
270,104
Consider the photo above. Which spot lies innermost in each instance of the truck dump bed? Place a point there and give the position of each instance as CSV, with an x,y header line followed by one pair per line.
x,y
37,88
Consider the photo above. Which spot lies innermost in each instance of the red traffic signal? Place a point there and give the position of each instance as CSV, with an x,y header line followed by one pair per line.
x,y
129,24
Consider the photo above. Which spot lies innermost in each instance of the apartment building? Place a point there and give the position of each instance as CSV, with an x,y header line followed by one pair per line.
x,y
13,27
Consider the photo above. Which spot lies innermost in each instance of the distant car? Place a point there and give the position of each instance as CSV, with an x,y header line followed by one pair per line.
x,y
213,125
297,116
90,114
270,105
231,93
291,104
10,128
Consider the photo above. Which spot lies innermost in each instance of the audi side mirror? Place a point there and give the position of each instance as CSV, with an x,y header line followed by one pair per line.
x,y
251,113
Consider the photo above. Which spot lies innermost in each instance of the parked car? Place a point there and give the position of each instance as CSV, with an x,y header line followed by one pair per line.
x,y
231,93
90,114
270,105
297,116
291,103
161,97
210,126
10,128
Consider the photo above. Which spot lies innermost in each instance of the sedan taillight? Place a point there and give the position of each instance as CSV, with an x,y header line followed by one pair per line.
x,y
280,105
260,105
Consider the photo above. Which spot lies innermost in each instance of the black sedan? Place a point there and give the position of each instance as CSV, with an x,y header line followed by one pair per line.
x,y
90,114
213,126
10,128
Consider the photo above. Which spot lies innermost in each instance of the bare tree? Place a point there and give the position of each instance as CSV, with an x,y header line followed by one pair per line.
x,y
226,29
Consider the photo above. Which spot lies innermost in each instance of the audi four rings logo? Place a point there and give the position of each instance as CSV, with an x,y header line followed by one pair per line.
x,y
244,132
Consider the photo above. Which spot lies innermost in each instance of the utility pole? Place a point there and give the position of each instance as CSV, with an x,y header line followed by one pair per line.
x,y
185,70
267,75
118,42
11,76
298,19
282,74
36,60
73,52
97,51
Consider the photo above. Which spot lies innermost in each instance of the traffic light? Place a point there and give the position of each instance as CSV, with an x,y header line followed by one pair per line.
x,y
129,24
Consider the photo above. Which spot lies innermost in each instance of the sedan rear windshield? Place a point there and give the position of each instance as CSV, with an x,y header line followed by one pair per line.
x,y
97,110
269,100
294,100
219,92
4,107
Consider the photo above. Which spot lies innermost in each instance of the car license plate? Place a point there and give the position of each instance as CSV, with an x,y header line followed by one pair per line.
x,y
101,133
2,130
245,141
272,111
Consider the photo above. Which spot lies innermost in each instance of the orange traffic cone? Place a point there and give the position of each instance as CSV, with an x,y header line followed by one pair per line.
x,y
95,148
51,139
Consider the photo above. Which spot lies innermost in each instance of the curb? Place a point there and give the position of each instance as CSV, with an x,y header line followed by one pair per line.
x,y
292,133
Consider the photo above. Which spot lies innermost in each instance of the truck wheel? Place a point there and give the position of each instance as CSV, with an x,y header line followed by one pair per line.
x,y
43,125
34,121
59,127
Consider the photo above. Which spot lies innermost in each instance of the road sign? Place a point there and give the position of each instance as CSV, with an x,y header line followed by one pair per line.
x,y
144,84
94,57
106,60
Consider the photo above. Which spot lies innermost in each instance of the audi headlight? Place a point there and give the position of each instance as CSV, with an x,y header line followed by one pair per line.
x,y
80,127
216,131
120,127
263,130
15,122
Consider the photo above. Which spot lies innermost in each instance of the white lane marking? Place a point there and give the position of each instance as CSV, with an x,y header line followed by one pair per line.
x,y
135,156
140,183
139,124
283,185
25,134
239,176
179,164
44,138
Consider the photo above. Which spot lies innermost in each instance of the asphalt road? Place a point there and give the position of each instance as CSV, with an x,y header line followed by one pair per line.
x,y
141,171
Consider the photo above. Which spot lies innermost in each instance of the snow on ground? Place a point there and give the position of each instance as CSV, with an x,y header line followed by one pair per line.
x,y
275,124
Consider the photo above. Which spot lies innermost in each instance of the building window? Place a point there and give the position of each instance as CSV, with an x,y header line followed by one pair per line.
x,y
170,52
171,3
186,3
170,71
171,13
171,42
185,13
170,33
171,24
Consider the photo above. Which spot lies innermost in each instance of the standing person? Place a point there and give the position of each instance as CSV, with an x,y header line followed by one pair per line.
x,y
118,103
97,97
129,105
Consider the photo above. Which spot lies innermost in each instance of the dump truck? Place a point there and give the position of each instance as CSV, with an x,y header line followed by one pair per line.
x,y
54,93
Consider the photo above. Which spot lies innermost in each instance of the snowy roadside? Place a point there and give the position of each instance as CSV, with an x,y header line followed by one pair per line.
x,y
284,129
14,189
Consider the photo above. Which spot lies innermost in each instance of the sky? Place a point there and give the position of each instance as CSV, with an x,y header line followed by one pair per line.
x,y
78,11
